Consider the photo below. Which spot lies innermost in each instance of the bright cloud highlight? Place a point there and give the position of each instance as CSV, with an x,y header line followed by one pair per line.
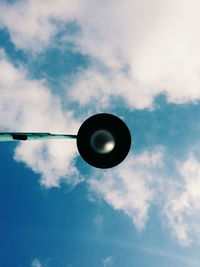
x,y
144,55
146,48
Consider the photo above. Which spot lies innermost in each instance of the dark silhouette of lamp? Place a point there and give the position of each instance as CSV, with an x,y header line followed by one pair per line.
x,y
103,140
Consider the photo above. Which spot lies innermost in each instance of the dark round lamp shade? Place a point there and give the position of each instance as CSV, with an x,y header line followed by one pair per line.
x,y
103,140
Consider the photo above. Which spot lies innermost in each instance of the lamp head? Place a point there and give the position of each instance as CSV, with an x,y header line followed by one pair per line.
x,y
103,140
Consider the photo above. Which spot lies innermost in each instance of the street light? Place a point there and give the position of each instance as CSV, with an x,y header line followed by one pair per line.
x,y
103,140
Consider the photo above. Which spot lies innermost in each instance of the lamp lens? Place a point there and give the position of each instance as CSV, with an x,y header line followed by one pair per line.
x,y
102,141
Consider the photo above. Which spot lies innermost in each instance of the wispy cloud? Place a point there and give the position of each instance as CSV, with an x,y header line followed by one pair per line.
x,y
32,24
182,208
141,182
36,263
157,251
108,261
128,187
28,105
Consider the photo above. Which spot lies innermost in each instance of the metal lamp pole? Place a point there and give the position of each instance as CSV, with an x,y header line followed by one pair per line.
x,y
12,136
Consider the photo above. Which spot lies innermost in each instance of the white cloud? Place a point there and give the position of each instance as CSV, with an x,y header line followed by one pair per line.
x,y
108,261
182,208
147,47
161,58
141,181
102,88
27,105
30,23
36,263
128,187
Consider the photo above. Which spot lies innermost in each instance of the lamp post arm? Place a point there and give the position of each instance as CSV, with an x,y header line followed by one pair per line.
x,y
21,136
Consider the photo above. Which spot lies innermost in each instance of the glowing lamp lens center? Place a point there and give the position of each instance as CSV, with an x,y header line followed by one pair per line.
x,y
102,141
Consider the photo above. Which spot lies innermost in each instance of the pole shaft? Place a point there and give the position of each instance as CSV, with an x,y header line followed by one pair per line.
x,y
20,136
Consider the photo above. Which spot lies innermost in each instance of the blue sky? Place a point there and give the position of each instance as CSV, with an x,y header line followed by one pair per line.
x,y
63,61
